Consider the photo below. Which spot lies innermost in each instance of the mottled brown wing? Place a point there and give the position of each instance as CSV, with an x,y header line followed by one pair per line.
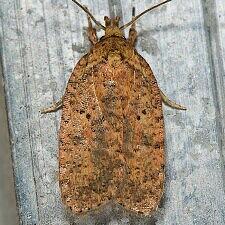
x,y
111,135
89,172
143,141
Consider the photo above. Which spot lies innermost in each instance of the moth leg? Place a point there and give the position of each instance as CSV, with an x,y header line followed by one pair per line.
x,y
92,35
171,103
54,107
132,32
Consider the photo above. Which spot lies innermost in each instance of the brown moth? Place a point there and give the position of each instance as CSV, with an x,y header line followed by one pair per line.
x,y
111,139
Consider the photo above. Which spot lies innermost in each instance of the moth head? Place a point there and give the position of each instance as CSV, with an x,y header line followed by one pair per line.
x,y
112,27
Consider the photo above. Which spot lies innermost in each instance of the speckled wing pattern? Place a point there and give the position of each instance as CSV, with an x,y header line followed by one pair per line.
x,y
111,135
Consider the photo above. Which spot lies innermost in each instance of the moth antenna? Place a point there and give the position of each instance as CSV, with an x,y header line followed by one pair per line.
x,y
141,14
88,12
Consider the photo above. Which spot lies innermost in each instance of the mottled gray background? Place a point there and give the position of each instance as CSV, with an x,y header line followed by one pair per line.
x,y
184,42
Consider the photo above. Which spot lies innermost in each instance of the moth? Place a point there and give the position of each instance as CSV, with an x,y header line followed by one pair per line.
x,y
111,138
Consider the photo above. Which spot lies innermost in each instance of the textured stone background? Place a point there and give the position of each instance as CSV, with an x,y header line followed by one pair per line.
x,y
184,42
8,210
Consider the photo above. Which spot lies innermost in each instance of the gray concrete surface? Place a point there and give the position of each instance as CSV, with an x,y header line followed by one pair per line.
x,y
8,209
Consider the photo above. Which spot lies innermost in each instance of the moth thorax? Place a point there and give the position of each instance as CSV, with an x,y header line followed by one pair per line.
x,y
112,27
114,59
